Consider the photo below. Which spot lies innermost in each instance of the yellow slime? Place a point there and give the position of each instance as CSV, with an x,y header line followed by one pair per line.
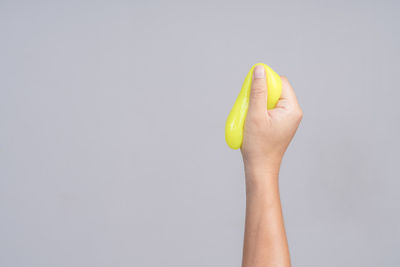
x,y
237,116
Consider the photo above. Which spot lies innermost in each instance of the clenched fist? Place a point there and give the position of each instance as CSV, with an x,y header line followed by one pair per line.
x,y
267,133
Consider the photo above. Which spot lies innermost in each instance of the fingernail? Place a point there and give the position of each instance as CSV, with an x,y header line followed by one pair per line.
x,y
259,72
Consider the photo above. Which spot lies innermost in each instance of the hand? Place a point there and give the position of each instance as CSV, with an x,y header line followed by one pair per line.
x,y
267,133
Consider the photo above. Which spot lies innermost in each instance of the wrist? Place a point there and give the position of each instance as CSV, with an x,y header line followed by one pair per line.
x,y
261,178
262,166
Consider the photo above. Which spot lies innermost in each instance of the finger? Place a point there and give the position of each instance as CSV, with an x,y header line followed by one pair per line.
x,y
288,96
258,92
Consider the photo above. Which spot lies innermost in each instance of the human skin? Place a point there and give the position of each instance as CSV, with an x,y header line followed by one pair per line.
x,y
267,134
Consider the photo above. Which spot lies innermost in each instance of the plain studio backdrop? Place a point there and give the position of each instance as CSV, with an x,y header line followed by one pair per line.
x,y
112,116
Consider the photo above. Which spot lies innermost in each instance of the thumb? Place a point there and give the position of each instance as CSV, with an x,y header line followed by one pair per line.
x,y
258,92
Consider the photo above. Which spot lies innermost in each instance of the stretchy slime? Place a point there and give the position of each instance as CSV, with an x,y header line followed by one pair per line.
x,y
237,116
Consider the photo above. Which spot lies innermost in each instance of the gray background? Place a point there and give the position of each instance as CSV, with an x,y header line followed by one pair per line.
x,y
112,116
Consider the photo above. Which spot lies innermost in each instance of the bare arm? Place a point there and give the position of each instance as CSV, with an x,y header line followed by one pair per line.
x,y
266,137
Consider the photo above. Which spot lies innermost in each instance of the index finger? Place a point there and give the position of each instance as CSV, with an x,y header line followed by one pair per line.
x,y
288,94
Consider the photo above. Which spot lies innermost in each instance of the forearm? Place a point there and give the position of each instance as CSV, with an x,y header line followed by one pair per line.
x,y
267,133
265,242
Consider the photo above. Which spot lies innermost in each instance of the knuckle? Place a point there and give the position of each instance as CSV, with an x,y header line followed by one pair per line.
x,y
258,90
255,118
258,87
284,79
296,113
299,113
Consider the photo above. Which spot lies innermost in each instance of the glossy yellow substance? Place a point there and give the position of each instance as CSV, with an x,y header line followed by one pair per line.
x,y
237,116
